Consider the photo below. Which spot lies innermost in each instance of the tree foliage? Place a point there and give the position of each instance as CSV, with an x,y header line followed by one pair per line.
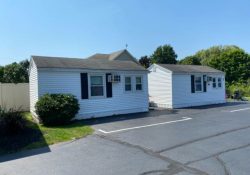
x,y
206,55
1,73
145,61
25,66
164,55
15,72
191,60
232,60
235,63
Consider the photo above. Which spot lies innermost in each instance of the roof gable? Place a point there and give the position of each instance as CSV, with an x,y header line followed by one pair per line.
x,y
122,55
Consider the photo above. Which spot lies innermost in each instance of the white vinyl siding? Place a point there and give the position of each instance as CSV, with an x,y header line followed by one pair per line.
x,y
33,86
160,87
68,81
170,90
182,96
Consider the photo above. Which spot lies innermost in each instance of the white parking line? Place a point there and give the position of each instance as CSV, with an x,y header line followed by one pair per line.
x,y
243,109
144,126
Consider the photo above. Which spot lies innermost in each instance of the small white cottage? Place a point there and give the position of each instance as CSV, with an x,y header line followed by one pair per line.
x,y
104,84
177,86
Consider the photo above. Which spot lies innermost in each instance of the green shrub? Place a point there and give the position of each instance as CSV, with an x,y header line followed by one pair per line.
x,y
243,88
11,122
56,109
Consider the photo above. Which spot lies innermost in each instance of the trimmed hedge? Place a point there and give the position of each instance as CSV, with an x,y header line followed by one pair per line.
x,y
12,122
57,109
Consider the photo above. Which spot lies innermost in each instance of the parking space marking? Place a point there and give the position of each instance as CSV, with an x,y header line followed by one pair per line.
x,y
243,109
145,126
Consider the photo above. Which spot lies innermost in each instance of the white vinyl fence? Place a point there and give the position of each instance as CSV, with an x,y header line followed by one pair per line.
x,y
15,96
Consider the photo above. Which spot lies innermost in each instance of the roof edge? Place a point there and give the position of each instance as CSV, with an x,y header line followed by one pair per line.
x,y
218,71
59,68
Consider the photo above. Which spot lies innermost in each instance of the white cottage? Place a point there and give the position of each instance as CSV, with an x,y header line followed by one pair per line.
x,y
104,84
177,86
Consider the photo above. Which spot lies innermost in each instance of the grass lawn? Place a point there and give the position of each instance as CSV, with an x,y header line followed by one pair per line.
x,y
37,135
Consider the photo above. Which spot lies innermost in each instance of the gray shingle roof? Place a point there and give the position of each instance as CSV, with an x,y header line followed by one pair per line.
x,y
177,68
110,56
97,61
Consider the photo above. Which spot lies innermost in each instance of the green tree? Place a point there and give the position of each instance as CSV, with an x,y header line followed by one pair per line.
x,y
25,66
164,55
235,63
232,60
1,73
15,73
145,61
206,55
191,60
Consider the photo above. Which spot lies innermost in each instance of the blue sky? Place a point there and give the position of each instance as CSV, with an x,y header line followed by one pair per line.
x,y
80,28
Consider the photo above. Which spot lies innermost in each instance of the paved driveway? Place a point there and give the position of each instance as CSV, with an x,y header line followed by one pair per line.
x,y
208,140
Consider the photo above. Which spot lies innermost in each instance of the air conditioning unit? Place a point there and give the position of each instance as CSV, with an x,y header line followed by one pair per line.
x,y
209,78
114,78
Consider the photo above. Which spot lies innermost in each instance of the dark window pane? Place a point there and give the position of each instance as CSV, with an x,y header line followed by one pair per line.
x,y
96,80
197,79
138,80
214,82
198,87
127,80
128,87
138,87
97,91
219,82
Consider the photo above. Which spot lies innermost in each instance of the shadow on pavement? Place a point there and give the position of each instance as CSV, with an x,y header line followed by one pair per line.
x,y
27,153
228,104
154,113
117,118
29,138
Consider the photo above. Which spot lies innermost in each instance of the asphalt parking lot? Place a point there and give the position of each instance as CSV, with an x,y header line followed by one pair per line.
x,y
203,140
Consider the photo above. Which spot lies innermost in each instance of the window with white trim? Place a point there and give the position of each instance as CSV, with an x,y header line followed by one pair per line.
x,y
198,83
214,82
96,86
138,81
219,83
128,84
